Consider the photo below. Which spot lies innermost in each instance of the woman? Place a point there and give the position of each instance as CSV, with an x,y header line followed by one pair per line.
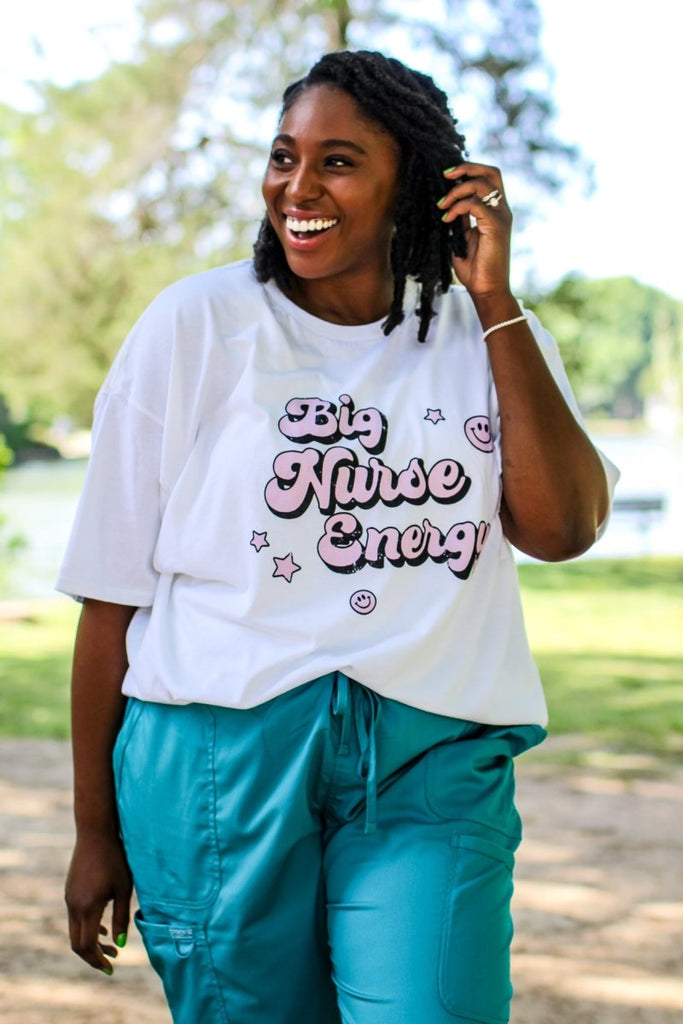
x,y
294,550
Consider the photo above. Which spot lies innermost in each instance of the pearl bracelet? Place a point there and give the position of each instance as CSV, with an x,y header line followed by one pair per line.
x,y
505,323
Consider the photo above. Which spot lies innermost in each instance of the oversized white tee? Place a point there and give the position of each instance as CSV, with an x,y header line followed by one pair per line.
x,y
282,497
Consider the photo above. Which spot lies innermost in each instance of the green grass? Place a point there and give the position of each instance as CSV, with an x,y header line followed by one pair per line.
x,y
608,640
607,635
36,639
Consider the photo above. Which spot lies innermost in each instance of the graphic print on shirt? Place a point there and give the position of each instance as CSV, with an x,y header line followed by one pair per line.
x,y
340,483
363,601
478,433
286,567
259,540
435,416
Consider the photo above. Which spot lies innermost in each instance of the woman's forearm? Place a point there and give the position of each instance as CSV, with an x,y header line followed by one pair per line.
x,y
97,704
554,487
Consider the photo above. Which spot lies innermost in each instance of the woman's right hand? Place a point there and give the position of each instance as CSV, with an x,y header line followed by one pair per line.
x,y
98,874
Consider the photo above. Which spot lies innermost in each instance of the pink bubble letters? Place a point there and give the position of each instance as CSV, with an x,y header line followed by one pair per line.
x,y
339,482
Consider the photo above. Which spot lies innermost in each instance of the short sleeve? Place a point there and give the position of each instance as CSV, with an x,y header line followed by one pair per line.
x,y
110,552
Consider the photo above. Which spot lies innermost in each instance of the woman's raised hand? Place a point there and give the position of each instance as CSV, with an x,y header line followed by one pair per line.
x,y
477,194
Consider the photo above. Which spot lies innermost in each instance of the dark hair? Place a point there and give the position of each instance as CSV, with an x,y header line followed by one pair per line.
x,y
415,112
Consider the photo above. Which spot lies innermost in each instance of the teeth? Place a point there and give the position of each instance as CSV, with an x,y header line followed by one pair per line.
x,y
309,225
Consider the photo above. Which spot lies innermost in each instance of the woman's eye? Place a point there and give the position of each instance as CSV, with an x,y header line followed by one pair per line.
x,y
339,161
281,157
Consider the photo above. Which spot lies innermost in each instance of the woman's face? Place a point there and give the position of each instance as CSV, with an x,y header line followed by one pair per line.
x,y
330,189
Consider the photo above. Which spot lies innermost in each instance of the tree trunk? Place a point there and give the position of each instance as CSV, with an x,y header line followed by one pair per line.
x,y
340,19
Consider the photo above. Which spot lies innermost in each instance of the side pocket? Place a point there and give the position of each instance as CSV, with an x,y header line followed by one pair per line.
x,y
474,963
130,717
166,798
473,779
180,955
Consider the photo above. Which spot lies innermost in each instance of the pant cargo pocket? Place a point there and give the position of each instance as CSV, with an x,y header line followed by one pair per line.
x,y
474,969
180,955
164,764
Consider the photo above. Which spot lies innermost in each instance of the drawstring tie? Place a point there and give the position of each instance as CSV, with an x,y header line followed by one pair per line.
x,y
361,705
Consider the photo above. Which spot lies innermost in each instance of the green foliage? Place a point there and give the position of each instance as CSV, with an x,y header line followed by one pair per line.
x,y
621,342
10,543
6,456
74,275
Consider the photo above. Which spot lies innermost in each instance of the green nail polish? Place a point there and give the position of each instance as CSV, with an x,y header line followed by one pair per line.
x,y
107,970
445,216
441,201
449,169
121,940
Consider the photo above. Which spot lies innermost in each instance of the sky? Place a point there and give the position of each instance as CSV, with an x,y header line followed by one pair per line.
x,y
617,90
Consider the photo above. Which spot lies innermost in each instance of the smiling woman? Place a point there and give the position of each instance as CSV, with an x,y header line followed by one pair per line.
x,y
307,774
388,118
330,192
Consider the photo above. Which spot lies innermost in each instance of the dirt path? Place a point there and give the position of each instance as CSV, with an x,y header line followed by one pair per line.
x,y
599,903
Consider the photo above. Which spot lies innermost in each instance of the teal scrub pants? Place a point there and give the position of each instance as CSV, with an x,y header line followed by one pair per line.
x,y
329,856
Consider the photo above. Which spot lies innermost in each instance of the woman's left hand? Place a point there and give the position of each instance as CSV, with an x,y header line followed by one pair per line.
x,y
485,271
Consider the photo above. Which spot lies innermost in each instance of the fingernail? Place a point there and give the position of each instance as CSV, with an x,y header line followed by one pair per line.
x,y
445,216
441,201
449,169
107,970
121,940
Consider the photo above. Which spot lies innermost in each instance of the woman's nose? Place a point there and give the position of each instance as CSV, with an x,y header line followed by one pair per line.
x,y
304,183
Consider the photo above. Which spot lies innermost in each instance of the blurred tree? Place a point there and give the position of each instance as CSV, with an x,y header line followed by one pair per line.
x,y
75,274
117,185
232,60
622,343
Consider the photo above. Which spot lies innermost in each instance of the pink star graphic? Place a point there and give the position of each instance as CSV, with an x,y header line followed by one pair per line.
x,y
434,415
259,540
285,567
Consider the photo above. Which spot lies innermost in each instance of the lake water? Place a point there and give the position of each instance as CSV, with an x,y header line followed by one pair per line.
x,y
38,501
651,466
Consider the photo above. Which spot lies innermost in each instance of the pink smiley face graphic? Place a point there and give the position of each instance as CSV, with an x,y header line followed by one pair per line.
x,y
363,602
478,433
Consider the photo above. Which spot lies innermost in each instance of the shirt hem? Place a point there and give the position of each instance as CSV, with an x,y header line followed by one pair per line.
x,y
112,595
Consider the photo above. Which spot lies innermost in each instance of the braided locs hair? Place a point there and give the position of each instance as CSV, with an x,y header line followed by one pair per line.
x,y
415,112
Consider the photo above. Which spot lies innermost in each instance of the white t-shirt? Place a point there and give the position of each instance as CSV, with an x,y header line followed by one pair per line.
x,y
282,497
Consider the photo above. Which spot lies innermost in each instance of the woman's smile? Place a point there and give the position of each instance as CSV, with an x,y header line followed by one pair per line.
x,y
305,232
